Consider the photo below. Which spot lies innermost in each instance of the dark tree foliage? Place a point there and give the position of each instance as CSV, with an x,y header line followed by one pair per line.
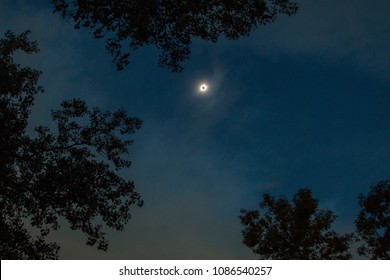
x,y
65,174
373,222
299,230
170,25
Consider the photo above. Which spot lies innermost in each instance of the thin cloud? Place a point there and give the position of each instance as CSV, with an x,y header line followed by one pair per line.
x,y
336,30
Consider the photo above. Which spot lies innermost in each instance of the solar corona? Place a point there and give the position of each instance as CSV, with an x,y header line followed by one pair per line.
x,y
203,88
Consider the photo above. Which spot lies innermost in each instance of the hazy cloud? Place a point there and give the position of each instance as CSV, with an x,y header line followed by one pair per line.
x,y
336,30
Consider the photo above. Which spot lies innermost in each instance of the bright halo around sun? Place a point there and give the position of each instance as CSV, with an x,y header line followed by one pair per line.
x,y
203,88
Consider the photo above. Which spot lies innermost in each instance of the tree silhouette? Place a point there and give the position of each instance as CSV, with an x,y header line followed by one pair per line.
x,y
373,222
281,230
68,173
170,25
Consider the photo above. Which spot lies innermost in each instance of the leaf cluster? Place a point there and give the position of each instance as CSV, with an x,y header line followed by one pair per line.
x,y
68,173
290,231
373,222
169,25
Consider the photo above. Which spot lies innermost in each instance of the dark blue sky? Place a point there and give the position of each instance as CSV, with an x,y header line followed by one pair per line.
x,y
300,103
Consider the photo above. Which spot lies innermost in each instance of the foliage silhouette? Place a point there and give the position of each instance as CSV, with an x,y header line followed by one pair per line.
x,y
281,230
373,222
170,25
66,174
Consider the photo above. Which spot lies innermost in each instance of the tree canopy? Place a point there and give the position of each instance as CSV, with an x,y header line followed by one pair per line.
x,y
373,222
170,25
68,173
297,230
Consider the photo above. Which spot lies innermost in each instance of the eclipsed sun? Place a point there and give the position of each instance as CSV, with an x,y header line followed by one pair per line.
x,y
203,88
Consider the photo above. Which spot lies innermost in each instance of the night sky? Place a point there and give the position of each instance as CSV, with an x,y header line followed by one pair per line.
x,y
303,102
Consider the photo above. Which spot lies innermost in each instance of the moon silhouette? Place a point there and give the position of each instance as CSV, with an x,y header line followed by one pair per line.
x,y
203,88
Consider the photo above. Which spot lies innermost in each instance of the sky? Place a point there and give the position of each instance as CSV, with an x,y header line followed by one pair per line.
x,y
303,102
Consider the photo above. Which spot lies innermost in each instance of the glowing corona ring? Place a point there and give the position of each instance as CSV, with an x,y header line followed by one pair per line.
x,y
203,88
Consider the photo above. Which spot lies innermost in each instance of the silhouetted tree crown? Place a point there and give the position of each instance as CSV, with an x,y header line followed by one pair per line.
x,y
67,174
288,231
170,25
373,222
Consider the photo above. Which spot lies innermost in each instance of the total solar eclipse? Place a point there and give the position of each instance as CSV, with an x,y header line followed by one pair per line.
x,y
203,87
